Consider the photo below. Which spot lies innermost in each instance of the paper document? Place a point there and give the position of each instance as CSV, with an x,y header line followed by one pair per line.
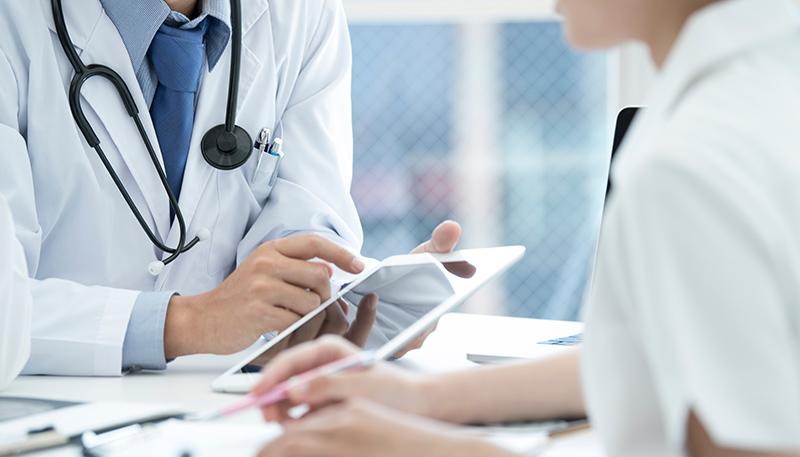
x,y
74,420
198,439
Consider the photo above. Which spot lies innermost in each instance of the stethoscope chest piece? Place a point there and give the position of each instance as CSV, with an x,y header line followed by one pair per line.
x,y
226,150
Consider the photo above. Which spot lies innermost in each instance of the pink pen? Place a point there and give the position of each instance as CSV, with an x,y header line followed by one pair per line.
x,y
280,392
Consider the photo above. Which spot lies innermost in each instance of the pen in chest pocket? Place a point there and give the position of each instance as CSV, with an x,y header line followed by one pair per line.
x,y
271,151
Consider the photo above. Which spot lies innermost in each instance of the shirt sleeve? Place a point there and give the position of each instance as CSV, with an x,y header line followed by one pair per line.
x,y
708,262
144,340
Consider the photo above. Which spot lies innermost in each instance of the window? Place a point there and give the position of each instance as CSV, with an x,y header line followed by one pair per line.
x,y
495,123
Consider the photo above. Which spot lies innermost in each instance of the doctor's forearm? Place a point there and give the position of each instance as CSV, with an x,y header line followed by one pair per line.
x,y
537,390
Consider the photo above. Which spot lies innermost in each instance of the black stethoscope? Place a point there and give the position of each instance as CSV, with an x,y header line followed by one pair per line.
x,y
225,147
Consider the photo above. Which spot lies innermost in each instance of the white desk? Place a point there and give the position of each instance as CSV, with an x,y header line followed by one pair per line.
x,y
186,382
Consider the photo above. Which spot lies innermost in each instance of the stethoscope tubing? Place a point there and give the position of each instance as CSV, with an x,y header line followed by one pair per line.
x,y
85,72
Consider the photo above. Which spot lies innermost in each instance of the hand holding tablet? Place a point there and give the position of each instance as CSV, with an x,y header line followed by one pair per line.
x,y
418,289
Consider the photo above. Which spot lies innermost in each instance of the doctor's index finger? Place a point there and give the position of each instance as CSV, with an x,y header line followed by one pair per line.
x,y
303,358
307,247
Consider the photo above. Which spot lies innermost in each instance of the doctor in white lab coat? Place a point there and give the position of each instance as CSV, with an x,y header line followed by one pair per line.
x,y
15,302
97,310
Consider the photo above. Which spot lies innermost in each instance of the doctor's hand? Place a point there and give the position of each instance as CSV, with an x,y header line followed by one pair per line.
x,y
383,383
443,240
359,428
269,291
333,321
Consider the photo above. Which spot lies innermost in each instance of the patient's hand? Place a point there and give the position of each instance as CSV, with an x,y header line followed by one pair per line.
x,y
383,383
359,428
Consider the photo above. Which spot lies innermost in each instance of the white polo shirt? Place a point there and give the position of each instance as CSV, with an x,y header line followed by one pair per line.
x,y
15,301
695,304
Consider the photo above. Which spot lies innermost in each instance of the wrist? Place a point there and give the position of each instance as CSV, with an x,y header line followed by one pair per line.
x,y
431,397
182,336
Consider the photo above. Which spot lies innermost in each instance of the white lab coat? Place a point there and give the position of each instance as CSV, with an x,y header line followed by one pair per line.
x,y
15,301
695,305
84,248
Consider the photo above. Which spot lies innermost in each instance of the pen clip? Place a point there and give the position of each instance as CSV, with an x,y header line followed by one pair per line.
x,y
264,138
262,143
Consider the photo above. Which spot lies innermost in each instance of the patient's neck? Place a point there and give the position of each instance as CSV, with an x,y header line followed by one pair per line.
x,y
668,22
186,7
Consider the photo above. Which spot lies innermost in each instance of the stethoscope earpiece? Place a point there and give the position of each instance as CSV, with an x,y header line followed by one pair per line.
x,y
226,150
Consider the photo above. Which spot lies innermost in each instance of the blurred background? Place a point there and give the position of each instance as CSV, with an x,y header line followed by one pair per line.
x,y
478,111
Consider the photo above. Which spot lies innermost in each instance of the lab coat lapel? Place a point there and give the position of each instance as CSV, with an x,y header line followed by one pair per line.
x,y
210,112
80,19
252,12
104,46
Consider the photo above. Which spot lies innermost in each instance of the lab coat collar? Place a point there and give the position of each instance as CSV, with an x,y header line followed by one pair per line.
x,y
83,16
717,33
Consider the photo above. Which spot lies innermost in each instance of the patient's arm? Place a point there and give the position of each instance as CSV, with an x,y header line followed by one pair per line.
x,y
543,389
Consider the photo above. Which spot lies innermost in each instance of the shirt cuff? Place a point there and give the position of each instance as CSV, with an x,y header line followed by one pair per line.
x,y
143,348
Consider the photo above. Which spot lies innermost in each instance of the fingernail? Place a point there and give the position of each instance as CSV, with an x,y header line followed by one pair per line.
x,y
358,265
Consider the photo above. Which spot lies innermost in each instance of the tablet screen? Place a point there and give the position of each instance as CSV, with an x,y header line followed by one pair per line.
x,y
406,293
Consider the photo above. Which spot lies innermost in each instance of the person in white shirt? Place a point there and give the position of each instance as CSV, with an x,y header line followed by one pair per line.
x,y
15,302
693,321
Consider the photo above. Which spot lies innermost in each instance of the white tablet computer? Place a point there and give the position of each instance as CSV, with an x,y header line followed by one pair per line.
x,y
414,290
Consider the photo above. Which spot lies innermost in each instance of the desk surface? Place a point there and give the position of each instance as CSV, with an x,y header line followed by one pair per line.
x,y
186,382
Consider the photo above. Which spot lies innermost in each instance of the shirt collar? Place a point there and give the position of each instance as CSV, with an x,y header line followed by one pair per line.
x,y
138,22
718,33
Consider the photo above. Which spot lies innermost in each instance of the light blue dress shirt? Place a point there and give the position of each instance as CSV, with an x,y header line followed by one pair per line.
x,y
137,23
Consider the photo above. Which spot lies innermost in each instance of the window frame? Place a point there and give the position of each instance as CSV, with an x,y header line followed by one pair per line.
x,y
450,10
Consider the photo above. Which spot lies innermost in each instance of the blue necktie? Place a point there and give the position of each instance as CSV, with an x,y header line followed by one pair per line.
x,y
177,56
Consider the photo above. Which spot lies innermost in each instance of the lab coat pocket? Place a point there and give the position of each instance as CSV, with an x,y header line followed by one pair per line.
x,y
265,176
